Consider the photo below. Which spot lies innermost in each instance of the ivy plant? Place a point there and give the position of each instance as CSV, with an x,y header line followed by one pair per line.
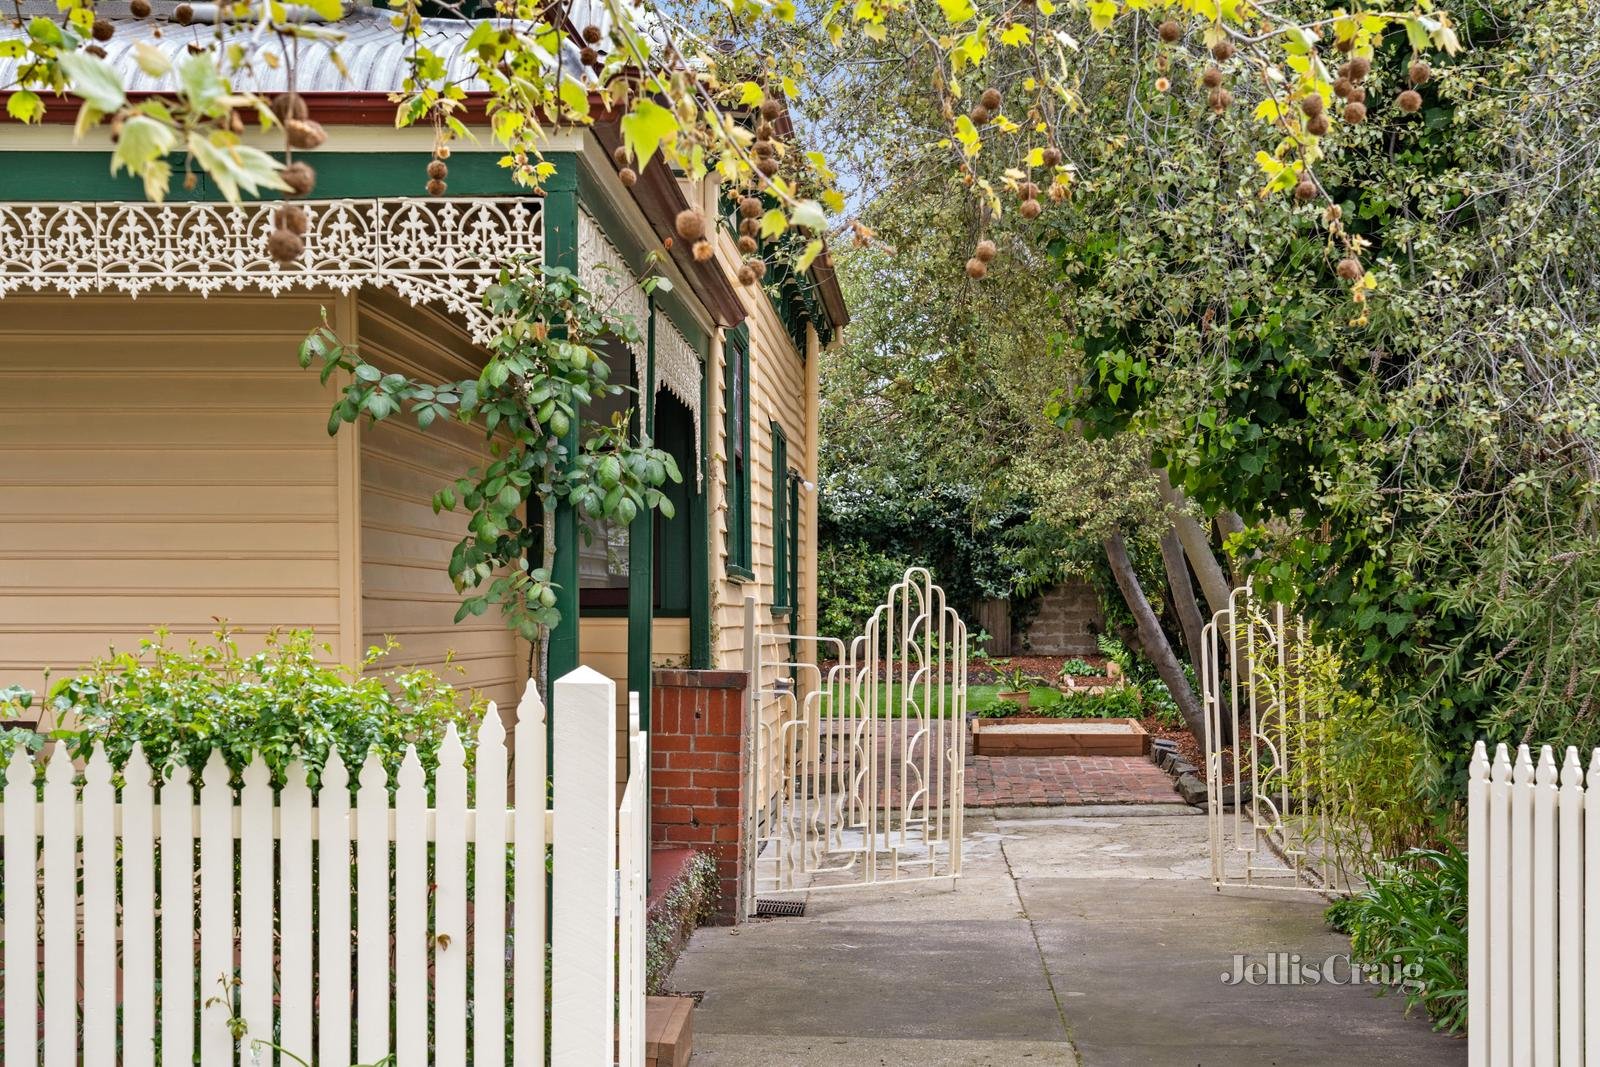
x,y
544,369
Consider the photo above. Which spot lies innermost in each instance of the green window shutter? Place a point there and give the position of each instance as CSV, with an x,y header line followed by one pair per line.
x,y
782,585
736,386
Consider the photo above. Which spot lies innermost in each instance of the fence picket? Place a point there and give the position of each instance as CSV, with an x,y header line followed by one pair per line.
x,y
1477,908
450,903
1544,911
411,914
489,895
372,912
216,913
1499,927
99,911
275,970
583,930
1570,923
255,903
528,935
138,923
294,912
21,1019
333,912
1591,910
1522,904
177,919
60,912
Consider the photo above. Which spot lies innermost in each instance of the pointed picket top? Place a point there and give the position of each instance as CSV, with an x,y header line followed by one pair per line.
x,y
177,775
373,776
1502,763
1547,767
491,730
295,776
451,754
411,775
256,774
1571,769
1523,774
216,770
334,773
59,770
531,707
137,770
97,772
1478,768
20,769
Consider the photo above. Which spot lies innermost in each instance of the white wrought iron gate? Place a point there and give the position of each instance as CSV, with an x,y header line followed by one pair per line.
x,y
855,759
1269,813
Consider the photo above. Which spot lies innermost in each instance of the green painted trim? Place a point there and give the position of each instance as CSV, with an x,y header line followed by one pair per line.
x,y
700,542
33,176
561,250
740,574
781,602
641,545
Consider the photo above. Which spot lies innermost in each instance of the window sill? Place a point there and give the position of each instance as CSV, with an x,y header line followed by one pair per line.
x,y
740,574
780,612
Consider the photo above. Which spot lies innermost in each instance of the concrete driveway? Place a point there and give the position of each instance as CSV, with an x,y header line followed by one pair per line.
x,y
1073,937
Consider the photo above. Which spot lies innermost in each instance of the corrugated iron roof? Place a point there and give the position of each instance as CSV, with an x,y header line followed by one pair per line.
x,y
372,52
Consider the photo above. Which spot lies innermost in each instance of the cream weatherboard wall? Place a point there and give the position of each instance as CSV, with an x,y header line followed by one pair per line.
x,y
406,592
783,388
165,462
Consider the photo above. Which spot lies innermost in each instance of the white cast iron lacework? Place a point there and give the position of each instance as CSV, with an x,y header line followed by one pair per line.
x,y
678,370
602,269
442,251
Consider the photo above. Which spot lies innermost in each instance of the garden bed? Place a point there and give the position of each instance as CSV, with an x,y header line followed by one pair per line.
x,y
1043,735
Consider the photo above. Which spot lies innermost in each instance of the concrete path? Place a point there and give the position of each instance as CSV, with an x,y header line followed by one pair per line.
x,y
1070,939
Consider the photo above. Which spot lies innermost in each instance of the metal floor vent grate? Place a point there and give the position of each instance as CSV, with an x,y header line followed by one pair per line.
x,y
779,909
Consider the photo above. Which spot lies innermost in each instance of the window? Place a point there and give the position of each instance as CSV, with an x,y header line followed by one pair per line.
x,y
736,386
782,521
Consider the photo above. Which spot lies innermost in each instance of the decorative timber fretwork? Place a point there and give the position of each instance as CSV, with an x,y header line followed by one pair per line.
x,y
441,251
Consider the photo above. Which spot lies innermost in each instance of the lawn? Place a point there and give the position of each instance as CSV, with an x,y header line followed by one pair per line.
x,y
979,698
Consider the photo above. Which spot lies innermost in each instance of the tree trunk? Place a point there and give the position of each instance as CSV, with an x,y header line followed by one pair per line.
x,y
1152,638
1188,609
1197,546
1229,524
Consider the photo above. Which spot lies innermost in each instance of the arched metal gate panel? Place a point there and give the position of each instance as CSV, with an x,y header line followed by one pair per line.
x,y
1271,816
855,764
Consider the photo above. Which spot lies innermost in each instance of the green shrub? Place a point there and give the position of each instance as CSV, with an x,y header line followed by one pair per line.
x,y
1081,669
1415,910
285,702
853,579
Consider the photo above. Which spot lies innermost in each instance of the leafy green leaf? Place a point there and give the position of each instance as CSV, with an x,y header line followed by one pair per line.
x,y
94,80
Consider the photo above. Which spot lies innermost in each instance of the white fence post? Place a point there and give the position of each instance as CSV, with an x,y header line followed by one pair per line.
x,y
583,934
21,881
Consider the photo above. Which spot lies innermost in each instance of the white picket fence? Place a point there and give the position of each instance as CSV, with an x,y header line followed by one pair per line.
x,y
302,967
1533,899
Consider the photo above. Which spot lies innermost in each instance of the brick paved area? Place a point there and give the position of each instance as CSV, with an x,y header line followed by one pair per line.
x,y
1001,781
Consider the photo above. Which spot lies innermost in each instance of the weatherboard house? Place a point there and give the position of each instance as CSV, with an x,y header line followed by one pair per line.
x,y
164,461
